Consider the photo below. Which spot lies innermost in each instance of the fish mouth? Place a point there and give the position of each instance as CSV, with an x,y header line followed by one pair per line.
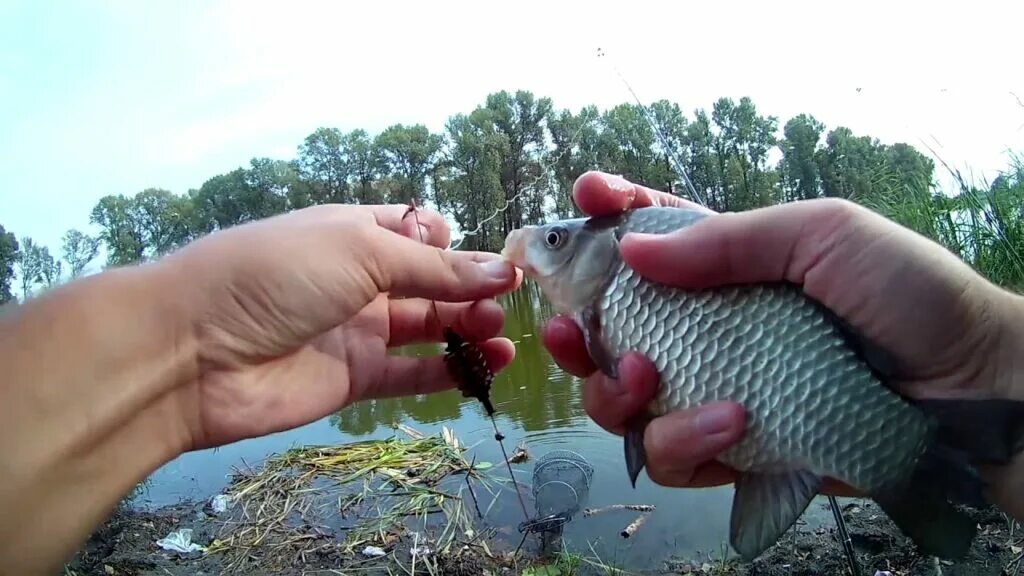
x,y
514,250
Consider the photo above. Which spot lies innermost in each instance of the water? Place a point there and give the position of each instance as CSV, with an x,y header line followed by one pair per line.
x,y
538,405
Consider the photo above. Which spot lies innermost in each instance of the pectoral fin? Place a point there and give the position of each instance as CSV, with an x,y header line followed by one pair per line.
x,y
633,442
766,505
589,321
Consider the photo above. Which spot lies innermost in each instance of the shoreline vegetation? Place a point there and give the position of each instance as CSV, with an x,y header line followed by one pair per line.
x,y
402,505
512,161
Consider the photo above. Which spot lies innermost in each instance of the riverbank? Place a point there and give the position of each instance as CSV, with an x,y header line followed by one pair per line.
x,y
417,505
126,546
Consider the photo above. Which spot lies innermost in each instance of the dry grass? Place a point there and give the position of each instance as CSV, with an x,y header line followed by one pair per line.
x,y
299,504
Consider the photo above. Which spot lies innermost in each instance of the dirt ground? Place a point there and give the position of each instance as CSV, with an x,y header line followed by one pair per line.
x,y
125,545
879,548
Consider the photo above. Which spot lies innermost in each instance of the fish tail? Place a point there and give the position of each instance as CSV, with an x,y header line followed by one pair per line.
x,y
965,433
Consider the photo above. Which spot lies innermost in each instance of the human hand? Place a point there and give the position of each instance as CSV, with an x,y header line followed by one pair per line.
x,y
946,330
294,315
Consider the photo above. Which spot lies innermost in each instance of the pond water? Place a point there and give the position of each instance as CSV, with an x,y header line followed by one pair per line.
x,y
538,405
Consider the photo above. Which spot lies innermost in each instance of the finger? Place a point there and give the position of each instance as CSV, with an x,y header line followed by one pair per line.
x,y
408,376
780,242
680,442
397,218
404,267
706,475
602,194
611,402
564,340
412,320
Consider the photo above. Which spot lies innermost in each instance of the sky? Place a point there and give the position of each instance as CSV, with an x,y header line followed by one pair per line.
x,y
111,97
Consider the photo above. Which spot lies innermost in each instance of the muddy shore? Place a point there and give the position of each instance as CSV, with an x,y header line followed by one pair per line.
x,y
126,545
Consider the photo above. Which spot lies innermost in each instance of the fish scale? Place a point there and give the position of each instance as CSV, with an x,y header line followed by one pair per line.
x,y
816,406
811,401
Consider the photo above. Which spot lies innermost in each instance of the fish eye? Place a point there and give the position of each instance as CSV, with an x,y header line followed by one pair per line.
x,y
555,237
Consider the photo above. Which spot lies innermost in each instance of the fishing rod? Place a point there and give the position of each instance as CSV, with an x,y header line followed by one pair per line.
x,y
669,150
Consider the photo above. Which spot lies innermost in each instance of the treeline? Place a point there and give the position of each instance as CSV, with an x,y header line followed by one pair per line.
x,y
519,153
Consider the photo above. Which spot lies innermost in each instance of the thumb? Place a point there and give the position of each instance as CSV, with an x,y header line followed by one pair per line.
x,y
776,243
404,267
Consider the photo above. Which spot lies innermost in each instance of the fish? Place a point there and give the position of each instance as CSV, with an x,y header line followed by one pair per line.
x,y
818,395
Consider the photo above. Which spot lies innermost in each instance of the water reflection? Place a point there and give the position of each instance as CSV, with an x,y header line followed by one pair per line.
x,y
533,391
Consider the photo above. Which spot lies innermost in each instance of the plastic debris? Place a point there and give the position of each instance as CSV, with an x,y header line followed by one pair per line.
x,y
219,503
180,541
373,551
883,573
420,551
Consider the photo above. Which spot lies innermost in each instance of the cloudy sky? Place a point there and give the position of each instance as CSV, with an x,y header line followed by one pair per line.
x,y
110,97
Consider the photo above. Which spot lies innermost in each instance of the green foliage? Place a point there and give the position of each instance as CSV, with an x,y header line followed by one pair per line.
x,y
10,254
79,250
30,265
513,159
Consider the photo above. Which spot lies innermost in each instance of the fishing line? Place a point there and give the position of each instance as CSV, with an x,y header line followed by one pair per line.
x,y
669,150
544,172
467,365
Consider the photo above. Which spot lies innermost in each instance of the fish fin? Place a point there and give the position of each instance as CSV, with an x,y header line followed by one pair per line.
x,y
633,443
765,505
589,320
986,431
923,512
964,434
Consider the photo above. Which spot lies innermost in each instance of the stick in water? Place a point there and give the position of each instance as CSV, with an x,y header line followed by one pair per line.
x,y
615,507
635,525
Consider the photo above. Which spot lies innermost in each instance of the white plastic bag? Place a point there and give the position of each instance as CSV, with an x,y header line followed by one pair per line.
x,y
373,551
219,503
180,541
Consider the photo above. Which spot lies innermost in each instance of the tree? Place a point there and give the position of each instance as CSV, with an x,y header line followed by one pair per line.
x,y
324,164
10,255
519,124
848,164
407,156
513,160
30,266
365,167
79,249
799,171
122,229
575,140
468,182
742,144
49,268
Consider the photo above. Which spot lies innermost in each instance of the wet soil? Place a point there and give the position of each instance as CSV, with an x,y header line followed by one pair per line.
x,y
126,545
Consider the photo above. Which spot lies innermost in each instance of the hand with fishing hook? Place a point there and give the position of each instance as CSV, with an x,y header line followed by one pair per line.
x,y
930,323
301,327
251,330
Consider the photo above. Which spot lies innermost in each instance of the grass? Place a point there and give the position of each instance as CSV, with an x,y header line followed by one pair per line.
x,y
983,224
374,491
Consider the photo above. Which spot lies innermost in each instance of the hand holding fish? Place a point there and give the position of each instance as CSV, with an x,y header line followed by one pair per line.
x,y
831,321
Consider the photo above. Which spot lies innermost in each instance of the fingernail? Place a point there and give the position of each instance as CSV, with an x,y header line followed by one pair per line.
x,y
498,269
714,419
